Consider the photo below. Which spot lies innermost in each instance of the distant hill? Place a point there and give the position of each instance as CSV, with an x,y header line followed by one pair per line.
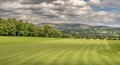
x,y
89,30
74,26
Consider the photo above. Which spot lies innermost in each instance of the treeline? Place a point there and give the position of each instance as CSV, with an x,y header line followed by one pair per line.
x,y
13,27
79,35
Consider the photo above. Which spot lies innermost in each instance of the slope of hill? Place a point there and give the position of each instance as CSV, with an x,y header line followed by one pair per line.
x,y
84,29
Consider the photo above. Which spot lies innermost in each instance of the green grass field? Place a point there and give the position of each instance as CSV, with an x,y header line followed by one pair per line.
x,y
51,51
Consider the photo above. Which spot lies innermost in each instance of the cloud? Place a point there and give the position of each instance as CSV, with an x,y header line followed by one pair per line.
x,y
47,5
8,6
59,2
111,3
77,2
99,13
75,11
95,2
36,1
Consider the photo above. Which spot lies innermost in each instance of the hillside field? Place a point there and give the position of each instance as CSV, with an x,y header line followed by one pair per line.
x,y
58,51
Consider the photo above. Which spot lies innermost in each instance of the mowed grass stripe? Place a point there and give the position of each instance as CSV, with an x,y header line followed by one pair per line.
x,y
20,58
113,55
44,58
15,49
14,52
94,57
62,60
34,57
105,58
16,57
85,54
102,56
52,59
82,60
73,57
47,51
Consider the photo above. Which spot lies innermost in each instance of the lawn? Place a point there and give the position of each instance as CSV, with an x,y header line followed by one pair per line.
x,y
58,51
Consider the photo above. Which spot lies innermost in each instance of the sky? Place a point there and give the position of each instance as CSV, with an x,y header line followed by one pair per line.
x,y
93,12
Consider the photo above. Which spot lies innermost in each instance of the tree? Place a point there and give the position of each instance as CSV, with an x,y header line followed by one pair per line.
x,y
41,31
3,27
48,31
13,27
32,31
76,35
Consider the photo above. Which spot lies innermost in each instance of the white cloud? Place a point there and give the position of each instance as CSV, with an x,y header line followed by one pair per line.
x,y
47,5
111,3
95,2
59,2
10,5
99,13
77,2
75,11
102,16
47,11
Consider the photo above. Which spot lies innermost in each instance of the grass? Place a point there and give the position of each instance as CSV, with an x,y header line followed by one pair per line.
x,y
53,51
